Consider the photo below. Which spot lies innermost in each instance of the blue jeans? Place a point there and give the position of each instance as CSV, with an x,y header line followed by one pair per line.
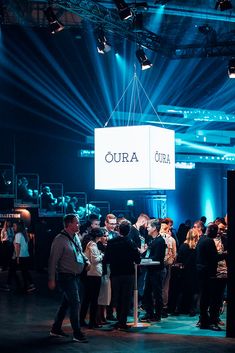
x,y
70,286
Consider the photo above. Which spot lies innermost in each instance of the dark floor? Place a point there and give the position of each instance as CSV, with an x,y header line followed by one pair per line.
x,y
26,319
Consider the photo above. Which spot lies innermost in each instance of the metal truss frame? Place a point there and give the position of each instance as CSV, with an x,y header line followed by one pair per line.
x,y
197,51
30,12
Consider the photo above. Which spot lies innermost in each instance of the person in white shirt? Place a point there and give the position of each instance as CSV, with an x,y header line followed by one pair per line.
x,y
170,257
20,259
93,280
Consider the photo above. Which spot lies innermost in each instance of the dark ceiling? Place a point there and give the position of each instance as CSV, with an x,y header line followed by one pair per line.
x,y
175,25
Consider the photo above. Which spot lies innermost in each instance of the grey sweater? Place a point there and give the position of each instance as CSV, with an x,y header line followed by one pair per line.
x,y
63,257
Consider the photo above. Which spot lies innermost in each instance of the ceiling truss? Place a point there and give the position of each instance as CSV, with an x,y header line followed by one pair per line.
x,y
105,15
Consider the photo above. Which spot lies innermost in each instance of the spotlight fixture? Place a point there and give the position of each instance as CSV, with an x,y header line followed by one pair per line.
x,y
231,68
102,44
143,60
123,10
223,5
54,24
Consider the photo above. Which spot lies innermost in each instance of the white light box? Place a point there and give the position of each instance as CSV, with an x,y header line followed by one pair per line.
x,y
134,158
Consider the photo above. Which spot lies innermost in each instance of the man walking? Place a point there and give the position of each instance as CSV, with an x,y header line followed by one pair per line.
x,y
68,260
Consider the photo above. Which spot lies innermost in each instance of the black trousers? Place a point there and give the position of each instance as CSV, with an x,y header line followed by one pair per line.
x,y
24,264
153,301
91,294
122,291
70,287
211,292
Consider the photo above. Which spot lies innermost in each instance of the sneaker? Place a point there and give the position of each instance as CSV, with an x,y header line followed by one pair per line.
x,y
147,318
58,333
80,337
215,327
121,327
31,288
103,322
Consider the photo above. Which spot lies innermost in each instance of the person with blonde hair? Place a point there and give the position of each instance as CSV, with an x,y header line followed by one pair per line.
x,y
191,239
188,296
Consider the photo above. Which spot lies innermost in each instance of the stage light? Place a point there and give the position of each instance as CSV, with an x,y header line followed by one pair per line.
x,y
54,24
144,61
223,5
231,68
123,10
102,44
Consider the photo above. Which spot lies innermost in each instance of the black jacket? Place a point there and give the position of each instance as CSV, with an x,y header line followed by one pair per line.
x,y
157,251
121,253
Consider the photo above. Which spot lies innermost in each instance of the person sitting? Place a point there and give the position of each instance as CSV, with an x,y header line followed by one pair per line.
x,y
23,192
48,201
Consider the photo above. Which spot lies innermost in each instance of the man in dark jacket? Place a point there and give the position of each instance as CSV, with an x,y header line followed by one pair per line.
x,y
155,274
122,255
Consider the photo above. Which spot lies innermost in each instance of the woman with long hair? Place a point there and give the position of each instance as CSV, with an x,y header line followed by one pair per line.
x,y
93,280
20,259
188,297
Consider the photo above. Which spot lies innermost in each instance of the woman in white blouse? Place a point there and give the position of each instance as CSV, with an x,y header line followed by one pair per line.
x,y
93,279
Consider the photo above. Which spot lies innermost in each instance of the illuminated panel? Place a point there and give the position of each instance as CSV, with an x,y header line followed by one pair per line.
x,y
134,158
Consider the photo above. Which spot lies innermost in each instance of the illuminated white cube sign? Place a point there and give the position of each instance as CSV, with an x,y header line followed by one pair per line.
x,y
134,158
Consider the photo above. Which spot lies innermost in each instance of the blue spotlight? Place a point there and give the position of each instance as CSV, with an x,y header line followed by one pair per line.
x,y
54,24
144,61
207,198
102,44
231,68
123,10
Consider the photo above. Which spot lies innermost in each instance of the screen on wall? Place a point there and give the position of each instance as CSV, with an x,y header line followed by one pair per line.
x,y
134,158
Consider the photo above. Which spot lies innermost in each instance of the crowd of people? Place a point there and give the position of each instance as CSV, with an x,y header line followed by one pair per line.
x,y
94,266
52,201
